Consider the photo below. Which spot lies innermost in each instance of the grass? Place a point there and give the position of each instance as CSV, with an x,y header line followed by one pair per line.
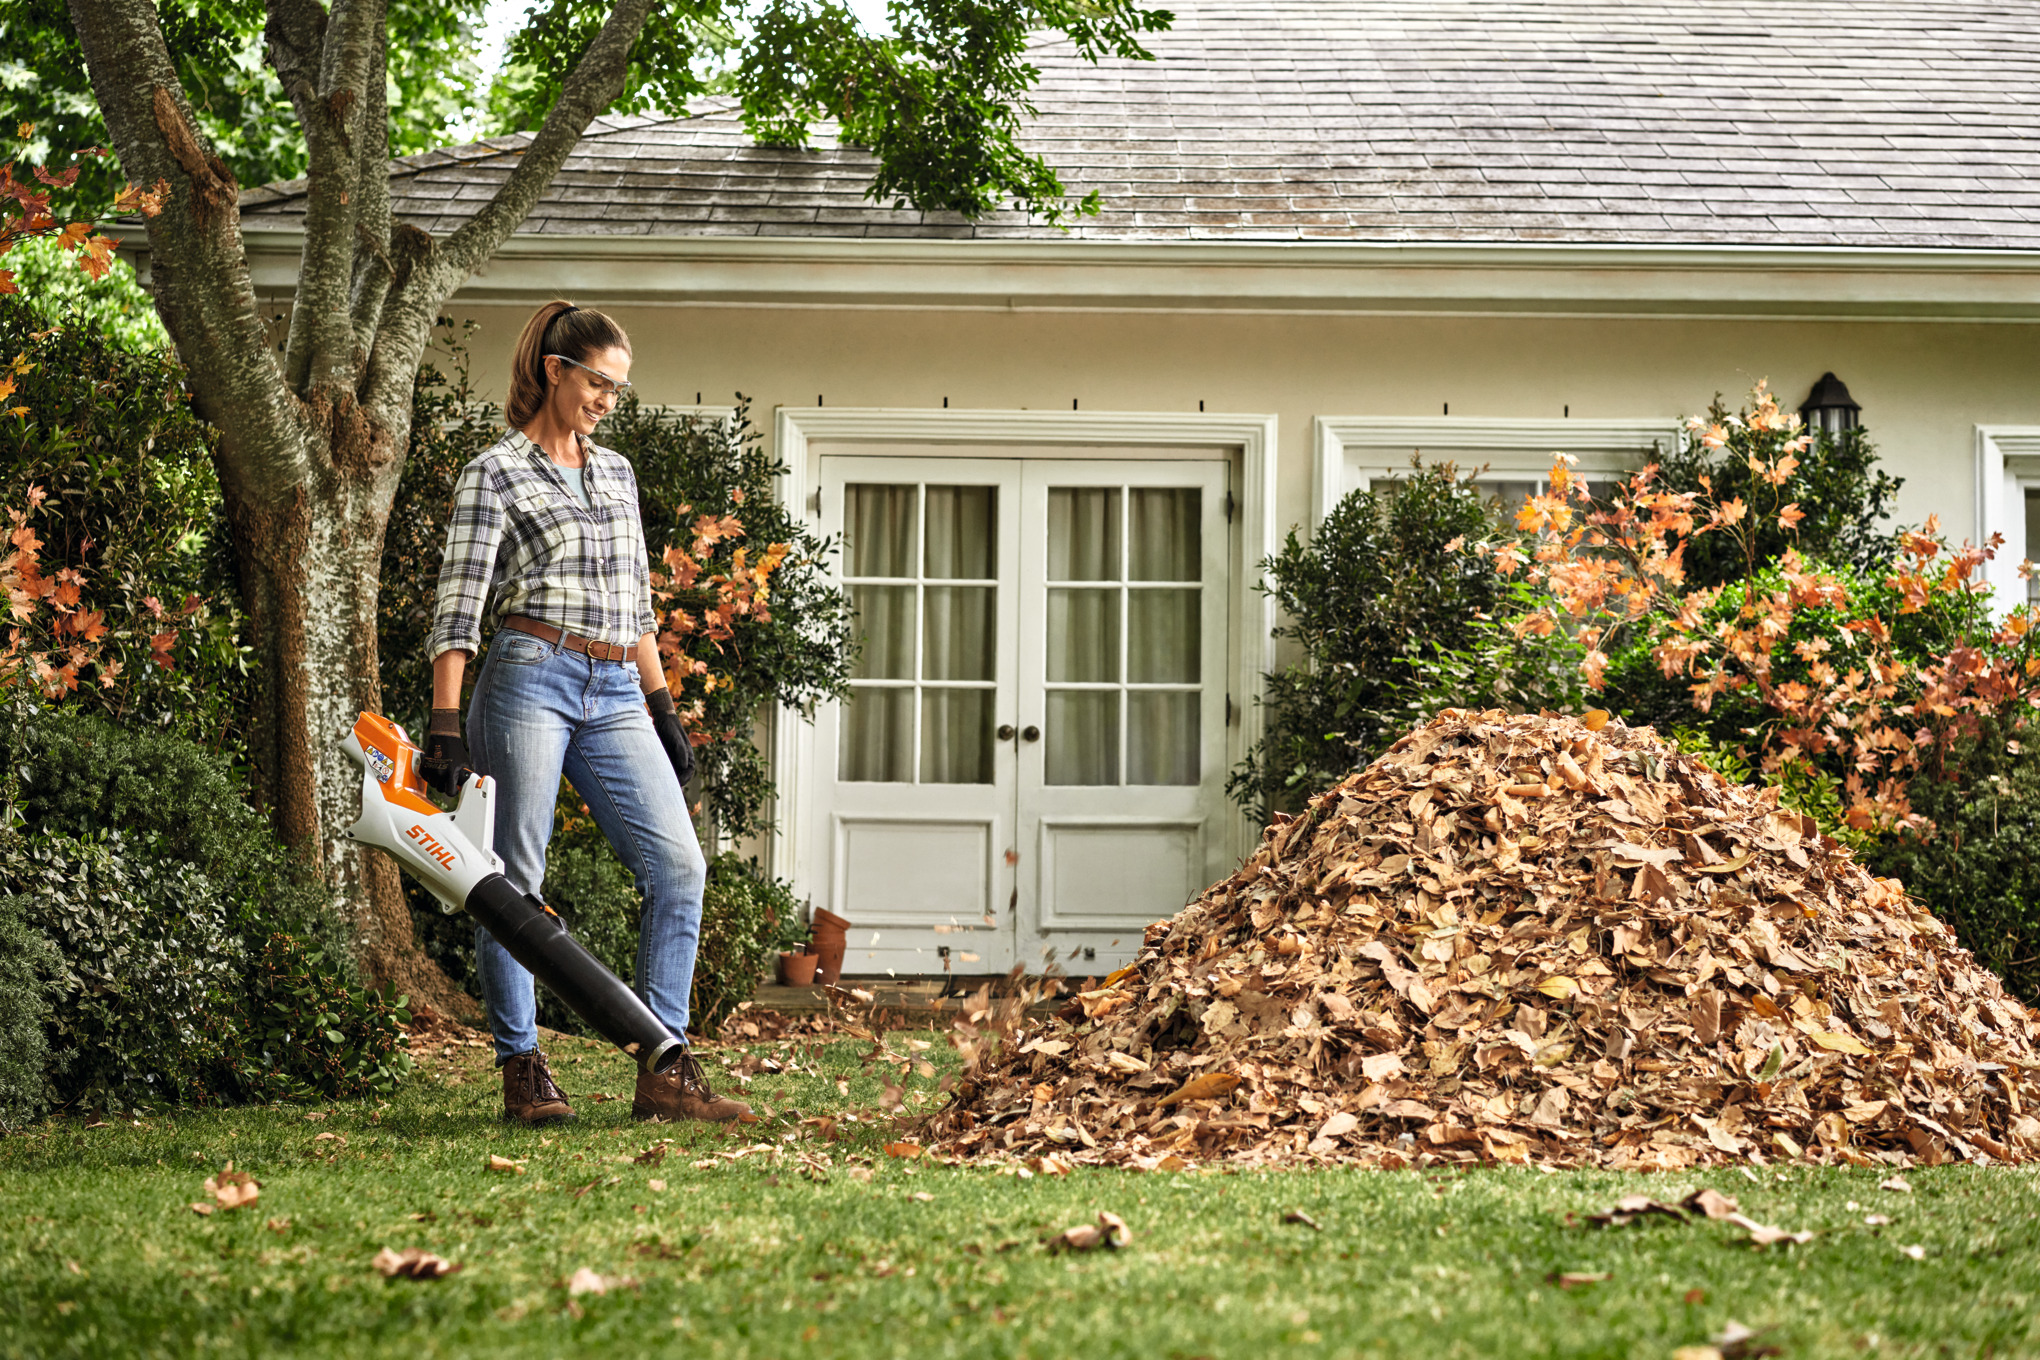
x,y
101,1255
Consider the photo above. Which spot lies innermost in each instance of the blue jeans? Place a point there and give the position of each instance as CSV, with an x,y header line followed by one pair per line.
x,y
540,711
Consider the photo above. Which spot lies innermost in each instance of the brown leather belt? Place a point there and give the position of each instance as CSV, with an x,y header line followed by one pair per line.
x,y
574,642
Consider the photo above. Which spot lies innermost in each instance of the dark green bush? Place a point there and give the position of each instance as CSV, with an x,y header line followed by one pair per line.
x,y
150,962
1846,496
1978,869
30,973
173,801
304,1034
741,923
1384,586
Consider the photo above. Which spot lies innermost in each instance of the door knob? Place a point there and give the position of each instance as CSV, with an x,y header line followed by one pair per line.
x,y
1005,732
1030,733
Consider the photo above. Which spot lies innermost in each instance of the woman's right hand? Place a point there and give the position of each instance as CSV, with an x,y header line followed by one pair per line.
x,y
445,764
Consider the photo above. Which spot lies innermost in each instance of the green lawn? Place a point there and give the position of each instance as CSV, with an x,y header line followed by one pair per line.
x,y
101,1255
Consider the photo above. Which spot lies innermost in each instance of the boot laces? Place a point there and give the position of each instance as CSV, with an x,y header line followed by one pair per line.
x,y
691,1076
543,1087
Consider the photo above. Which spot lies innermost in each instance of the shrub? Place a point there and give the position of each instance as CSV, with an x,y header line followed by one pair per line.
x,y
175,802
29,972
117,575
1382,590
1976,861
304,1034
742,920
1846,497
65,295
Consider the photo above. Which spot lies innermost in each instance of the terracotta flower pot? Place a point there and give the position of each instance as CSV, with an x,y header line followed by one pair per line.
x,y
832,934
797,970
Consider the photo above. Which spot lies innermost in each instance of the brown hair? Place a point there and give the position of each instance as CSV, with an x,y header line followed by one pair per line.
x,y
557,328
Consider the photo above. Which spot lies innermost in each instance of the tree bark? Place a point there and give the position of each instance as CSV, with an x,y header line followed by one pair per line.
x,y
311,446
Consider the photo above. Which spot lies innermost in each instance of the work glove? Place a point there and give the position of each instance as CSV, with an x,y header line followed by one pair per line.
x,y
445,763
672,736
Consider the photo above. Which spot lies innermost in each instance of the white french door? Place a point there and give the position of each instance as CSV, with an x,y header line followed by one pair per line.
x,y
1031,765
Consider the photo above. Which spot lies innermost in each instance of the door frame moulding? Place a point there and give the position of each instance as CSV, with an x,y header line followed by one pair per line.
x,y
2007,461
911,432
1520,447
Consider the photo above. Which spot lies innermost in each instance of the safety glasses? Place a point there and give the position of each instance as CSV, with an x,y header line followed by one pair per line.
x,y
604,384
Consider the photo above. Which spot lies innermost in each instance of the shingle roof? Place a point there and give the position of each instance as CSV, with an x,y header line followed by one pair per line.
x,y
1843,122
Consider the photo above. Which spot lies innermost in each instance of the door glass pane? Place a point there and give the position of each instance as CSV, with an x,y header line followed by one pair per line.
x,y
878,736
2033,543
1507,497
1161,636
1083,533
960,633
885,625
1083,737
956,736
1161,737
962,532
1083,635
1164,529
879,529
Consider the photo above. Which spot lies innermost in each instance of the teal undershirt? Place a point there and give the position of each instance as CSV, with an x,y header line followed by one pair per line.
x,y
573,476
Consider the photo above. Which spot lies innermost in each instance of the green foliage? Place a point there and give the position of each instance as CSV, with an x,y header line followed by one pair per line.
x,y
150,960
1978,869
434,84
941,101
79,773
132,507
30,969
1383,590
1846,496
305,1034
62,294
741,916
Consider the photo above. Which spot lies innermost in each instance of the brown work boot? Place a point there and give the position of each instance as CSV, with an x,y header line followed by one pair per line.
x,y
681,1092
530,1095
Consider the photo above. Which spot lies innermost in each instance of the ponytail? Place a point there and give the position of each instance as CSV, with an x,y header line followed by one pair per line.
x,y
557,328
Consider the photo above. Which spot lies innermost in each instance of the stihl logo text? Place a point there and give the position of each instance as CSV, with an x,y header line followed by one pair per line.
x,y
432,847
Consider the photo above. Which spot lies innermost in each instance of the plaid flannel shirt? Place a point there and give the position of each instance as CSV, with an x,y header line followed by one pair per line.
x,y
518,542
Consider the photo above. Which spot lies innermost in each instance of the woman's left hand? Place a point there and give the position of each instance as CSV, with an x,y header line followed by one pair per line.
x,y
672,734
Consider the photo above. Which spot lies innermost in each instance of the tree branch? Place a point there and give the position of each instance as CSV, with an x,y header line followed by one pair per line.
x,y
334,130
295,34
374,271
595,83
202,287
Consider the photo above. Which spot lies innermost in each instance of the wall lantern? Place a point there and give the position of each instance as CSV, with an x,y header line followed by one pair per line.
x,y
1829,407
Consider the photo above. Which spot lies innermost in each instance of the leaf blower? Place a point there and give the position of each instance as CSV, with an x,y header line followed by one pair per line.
x,y
453,855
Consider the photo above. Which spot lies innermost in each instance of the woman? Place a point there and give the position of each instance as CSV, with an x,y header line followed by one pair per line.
x,y
545,542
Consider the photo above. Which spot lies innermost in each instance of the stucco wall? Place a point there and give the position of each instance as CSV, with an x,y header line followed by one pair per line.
x,y
1924,386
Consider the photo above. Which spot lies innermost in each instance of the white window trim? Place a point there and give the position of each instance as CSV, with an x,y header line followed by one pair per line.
x,y
1517,450
2007,464
907,432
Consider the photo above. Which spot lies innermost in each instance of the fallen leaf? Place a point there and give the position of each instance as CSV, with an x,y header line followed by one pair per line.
x,y
1110,1232
1762,1235
1595,719
1558,986
1210,1086
231,1189
1299,1216
1573,1279
586,1281
922,1197
1711,1203
1916,1253
412,1264
202,1209
903,1150
1897,1183
504,1164
1877,1220
1839,1043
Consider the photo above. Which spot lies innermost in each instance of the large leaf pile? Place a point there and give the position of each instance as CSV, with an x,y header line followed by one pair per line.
x,y
1518,939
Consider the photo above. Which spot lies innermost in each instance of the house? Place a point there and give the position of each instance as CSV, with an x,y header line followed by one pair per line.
x,y
1334,232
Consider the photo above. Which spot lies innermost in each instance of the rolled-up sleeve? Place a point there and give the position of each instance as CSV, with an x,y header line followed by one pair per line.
x,y
474,532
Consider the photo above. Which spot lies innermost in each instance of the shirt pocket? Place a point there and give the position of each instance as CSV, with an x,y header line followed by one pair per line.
x,y
548,525
622,549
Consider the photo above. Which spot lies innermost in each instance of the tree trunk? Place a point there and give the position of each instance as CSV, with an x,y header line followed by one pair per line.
x,y
309,571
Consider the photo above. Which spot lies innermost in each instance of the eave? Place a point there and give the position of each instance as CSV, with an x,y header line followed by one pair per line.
x,y
1825,283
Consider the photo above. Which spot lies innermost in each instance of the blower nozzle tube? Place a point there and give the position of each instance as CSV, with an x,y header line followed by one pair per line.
x,y
535,938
